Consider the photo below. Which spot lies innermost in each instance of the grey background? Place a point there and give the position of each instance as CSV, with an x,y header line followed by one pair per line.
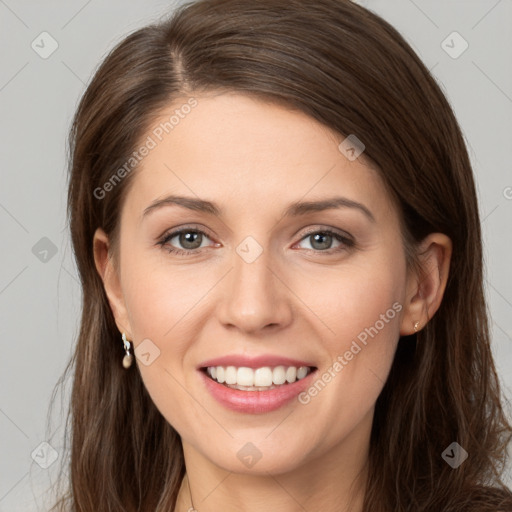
x,y
39,292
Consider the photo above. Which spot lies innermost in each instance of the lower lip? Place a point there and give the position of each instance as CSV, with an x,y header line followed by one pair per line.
x,y
255,402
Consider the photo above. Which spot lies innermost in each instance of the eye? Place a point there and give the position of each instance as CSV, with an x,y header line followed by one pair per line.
x,y
189,238
191,241
322,240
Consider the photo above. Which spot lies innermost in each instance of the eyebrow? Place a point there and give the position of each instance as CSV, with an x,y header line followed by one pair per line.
x,y
295,209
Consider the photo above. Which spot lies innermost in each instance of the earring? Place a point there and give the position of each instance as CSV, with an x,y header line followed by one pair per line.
x,y
128,358
416,325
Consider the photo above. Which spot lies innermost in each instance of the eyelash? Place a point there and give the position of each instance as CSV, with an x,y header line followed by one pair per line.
x,y
345,240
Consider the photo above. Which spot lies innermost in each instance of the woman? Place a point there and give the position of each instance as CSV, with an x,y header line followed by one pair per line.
x,y
275,223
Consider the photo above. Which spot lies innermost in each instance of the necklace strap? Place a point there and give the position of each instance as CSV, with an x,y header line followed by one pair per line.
x,y
191,509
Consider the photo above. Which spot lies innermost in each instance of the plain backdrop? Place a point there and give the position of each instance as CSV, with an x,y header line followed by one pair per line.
x,y
39,291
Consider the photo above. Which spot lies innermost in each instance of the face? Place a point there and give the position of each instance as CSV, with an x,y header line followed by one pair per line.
x,y
261,282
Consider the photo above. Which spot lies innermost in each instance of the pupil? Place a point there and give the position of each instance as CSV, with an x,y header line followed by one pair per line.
x,y
188,238
324,245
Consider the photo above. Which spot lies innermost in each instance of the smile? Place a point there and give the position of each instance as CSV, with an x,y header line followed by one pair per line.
x,y
257,379
263,394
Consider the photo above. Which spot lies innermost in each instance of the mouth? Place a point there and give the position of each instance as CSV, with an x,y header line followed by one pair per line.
x,y
257,390
264,378
255,383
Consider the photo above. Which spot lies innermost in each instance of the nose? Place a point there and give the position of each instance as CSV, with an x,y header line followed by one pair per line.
x,y
255,296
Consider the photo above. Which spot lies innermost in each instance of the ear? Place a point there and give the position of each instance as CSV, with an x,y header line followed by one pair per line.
x,y
111,282
426,285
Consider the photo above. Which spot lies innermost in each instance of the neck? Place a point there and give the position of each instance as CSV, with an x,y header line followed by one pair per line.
x,y
331,482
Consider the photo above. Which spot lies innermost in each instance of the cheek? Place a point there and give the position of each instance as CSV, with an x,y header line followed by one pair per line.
x,y
351,300
361,308
160,303
159,296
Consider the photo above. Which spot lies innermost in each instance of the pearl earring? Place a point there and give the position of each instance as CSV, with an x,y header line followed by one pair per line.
x,y
128,358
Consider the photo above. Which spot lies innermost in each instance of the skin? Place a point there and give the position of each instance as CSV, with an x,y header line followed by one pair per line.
x,y
253,158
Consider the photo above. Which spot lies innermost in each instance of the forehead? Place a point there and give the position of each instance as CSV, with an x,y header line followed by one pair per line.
x,y
250,153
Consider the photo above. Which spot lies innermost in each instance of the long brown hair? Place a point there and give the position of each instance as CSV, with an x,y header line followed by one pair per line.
x,y
350,70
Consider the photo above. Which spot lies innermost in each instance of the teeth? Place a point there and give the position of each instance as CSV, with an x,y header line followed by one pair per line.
x,y
230,375
244,377
279,375
302,372
264,377
291,374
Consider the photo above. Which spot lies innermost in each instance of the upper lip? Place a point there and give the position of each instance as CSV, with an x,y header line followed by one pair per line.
x,y
240,360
